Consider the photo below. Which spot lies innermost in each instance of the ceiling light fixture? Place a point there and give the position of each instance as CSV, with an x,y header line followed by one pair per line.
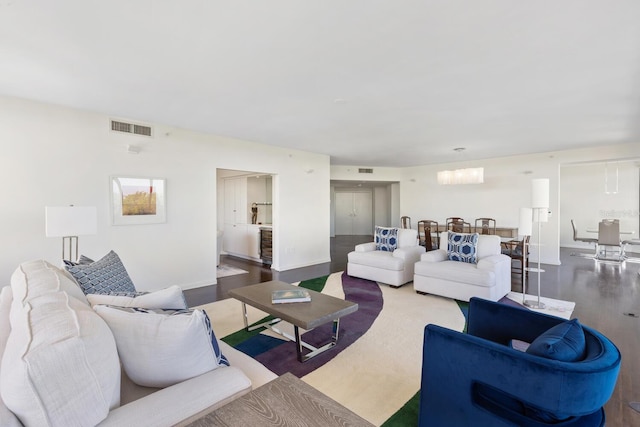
x,y
461,176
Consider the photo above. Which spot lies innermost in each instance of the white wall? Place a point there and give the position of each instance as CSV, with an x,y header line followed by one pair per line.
x,y
56,156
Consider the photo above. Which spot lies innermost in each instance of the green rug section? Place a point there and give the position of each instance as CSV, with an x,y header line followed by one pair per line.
x,y
236,338
464,307
407,415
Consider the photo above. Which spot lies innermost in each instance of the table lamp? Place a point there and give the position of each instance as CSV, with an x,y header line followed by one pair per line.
x,y
69,222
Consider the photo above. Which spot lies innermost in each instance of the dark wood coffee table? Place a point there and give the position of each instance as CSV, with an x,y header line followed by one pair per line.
x,y
285,401
306,315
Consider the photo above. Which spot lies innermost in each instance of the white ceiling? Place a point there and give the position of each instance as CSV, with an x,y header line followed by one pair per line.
x,y
376,83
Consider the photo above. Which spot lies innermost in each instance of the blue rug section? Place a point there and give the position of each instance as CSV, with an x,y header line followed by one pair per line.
x,y
259,344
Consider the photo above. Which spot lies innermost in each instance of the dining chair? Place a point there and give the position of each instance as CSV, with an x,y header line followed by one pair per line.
x,y
518,251
426,230
609,236
583,239
627,242
485,226
405,222
458,225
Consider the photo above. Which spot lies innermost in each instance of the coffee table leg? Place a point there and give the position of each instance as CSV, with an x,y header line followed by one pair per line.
x,y
245,317
315,351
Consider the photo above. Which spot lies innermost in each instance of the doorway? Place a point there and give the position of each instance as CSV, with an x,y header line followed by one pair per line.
x,y
354,212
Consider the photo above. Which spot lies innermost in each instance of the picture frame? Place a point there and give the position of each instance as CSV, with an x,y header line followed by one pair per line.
x,y
138,200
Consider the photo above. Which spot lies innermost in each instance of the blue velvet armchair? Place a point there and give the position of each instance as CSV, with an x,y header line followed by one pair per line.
x,y
479,379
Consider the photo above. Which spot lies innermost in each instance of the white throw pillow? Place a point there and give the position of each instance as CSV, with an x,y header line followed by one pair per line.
x,y
171,297
159,348
407,237
60,365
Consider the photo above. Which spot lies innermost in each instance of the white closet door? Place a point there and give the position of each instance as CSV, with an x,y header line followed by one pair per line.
x,y
354,213
363,218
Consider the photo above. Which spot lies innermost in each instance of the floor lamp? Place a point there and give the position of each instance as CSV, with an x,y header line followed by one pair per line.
x,y
524,230
540,207
69,222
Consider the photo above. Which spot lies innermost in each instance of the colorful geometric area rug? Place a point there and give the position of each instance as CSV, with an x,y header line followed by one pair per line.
x,y
375,368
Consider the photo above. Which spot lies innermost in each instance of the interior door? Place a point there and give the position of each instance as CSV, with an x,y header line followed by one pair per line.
x,y
354,213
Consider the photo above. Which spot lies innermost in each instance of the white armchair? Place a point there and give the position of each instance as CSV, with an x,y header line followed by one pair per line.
x,y
394,268
489,278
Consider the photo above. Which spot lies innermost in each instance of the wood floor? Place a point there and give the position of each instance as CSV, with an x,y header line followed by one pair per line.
x,y
607,298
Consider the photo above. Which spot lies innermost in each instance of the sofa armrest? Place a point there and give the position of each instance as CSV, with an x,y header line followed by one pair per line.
x,y
366,247
492,261
179,402
409,254
438,255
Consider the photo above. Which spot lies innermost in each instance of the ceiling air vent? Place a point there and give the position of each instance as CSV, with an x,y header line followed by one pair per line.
x,y
365,170
118,126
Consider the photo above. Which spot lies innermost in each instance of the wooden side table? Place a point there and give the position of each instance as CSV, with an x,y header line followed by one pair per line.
x,y
285,401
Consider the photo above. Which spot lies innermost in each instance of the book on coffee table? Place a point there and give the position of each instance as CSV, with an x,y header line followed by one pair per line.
x,y
295,295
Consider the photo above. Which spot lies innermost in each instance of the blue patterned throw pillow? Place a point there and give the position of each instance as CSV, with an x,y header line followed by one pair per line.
x,y
386,239
105,276
463,247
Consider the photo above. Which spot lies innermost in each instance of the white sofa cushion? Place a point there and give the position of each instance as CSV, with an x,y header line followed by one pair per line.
x,y
60,366
171,297
182,402
456,271
378,259
7,418
34,278
159,348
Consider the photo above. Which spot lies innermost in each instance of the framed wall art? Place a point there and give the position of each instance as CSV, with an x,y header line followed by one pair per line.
x,y
136,200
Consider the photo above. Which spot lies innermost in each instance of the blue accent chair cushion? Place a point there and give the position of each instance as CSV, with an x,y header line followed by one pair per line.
x,y
563,342
462,247
386,239
478,379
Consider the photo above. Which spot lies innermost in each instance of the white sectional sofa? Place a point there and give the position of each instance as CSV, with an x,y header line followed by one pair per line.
x,y
489,278
60,366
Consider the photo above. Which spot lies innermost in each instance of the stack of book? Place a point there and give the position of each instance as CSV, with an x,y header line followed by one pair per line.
x,y
295,295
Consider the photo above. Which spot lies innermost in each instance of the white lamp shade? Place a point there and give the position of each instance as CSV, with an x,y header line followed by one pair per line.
x,y
540,193
525,227
63,221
